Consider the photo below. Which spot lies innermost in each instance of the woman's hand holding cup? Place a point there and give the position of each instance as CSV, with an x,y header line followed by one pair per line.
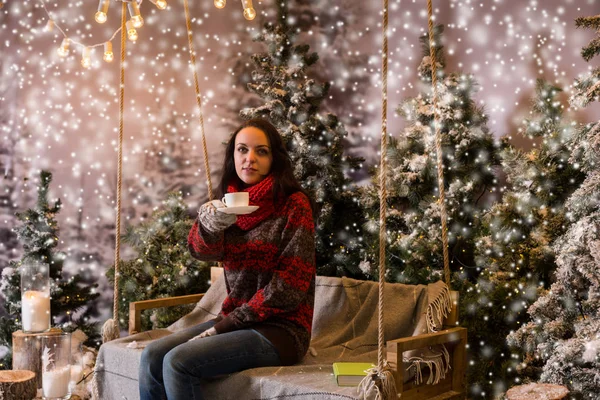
x,y
212,220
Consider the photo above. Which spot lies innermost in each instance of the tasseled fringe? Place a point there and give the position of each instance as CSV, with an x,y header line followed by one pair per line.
x,y
110,330
438,367
438,309
379,380
95,391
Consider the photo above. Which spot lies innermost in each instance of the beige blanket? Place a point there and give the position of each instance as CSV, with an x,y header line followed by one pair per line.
x,y
344,329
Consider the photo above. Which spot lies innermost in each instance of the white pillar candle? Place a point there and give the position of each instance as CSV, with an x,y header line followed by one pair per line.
x,y
55,383
35,311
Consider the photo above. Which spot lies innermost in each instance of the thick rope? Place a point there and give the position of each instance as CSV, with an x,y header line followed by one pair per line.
x,y
438,145
381,379
111,330
188,24
383,184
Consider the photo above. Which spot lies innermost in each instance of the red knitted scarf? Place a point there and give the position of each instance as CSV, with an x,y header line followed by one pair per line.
x,y
261,195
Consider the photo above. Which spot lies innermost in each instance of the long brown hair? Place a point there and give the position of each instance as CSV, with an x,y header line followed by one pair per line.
x,y
284,181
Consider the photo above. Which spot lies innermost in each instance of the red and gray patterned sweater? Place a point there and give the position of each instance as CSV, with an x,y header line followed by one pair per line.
x,y
269,274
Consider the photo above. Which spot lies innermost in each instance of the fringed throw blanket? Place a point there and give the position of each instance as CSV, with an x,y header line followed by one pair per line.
x,y
344,329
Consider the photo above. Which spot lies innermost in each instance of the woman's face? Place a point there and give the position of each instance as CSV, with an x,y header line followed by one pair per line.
x,y
252,155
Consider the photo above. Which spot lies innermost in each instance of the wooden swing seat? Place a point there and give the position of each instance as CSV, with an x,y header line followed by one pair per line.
x,y
312,379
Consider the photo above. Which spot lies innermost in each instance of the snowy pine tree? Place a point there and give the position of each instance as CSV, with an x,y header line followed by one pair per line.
x,y
89,236
170,164
562,339
587,88
414,250
11,167
69,303
328,26
163,266
514,248
291,101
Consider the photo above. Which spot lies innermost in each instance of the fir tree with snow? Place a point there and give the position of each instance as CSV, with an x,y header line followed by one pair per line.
x,y
8,239
322,24
414,249
11,167
163,266
329,26
171,163
291,101
561,340
587,88
514,248
89,238
70,299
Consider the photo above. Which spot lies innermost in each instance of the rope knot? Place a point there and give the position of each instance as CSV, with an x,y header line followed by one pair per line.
x,y
380,380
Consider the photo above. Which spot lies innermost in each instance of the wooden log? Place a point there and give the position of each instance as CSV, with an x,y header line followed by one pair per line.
x,y
17,385
537,391
27,352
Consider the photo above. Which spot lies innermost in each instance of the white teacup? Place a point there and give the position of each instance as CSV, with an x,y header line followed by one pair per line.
x,y
236,199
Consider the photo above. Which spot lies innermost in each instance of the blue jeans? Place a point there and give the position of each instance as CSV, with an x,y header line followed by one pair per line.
x,y
173,368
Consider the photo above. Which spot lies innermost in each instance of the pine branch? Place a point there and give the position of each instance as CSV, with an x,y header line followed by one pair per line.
x,y
591,50
592,22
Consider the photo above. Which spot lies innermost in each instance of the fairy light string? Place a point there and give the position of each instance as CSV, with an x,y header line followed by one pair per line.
x,y
136,21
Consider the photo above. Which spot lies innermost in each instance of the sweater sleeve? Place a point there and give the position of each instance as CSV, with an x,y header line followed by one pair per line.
x,y
204,245
292,278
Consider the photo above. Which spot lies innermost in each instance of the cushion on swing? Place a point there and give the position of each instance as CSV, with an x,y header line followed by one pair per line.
x,y
344,329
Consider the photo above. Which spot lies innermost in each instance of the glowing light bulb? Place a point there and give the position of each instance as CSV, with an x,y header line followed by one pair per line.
x,y
86,60
160,4
50,26
136,17
249,11
220,3
100,16
249,14
108,52
131,32
137,21
63,50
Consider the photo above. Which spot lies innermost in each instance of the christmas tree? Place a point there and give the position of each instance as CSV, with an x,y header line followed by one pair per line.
x,y
514,248
587,89
90,237
562,340
342,65
320,24
12,168
163,266
170,163
8,239
291,101
69,303
414,248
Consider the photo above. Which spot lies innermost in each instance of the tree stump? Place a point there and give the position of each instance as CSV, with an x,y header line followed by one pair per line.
x,y
27,352
537,391
17,385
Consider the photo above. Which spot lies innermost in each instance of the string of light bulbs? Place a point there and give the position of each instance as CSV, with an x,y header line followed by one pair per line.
x,y
135,22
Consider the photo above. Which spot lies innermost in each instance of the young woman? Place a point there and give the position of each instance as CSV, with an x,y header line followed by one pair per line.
x,y
269,262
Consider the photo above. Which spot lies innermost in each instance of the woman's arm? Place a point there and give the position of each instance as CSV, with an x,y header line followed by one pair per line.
x,y
205,240
294,274
205,245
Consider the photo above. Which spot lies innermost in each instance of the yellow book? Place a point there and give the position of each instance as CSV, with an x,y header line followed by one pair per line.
x,y
350,373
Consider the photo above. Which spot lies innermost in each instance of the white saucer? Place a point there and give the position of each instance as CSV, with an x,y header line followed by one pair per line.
x,y
238,210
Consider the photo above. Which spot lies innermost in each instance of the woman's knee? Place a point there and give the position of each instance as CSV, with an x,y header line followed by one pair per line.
x,y
177,362
152,358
